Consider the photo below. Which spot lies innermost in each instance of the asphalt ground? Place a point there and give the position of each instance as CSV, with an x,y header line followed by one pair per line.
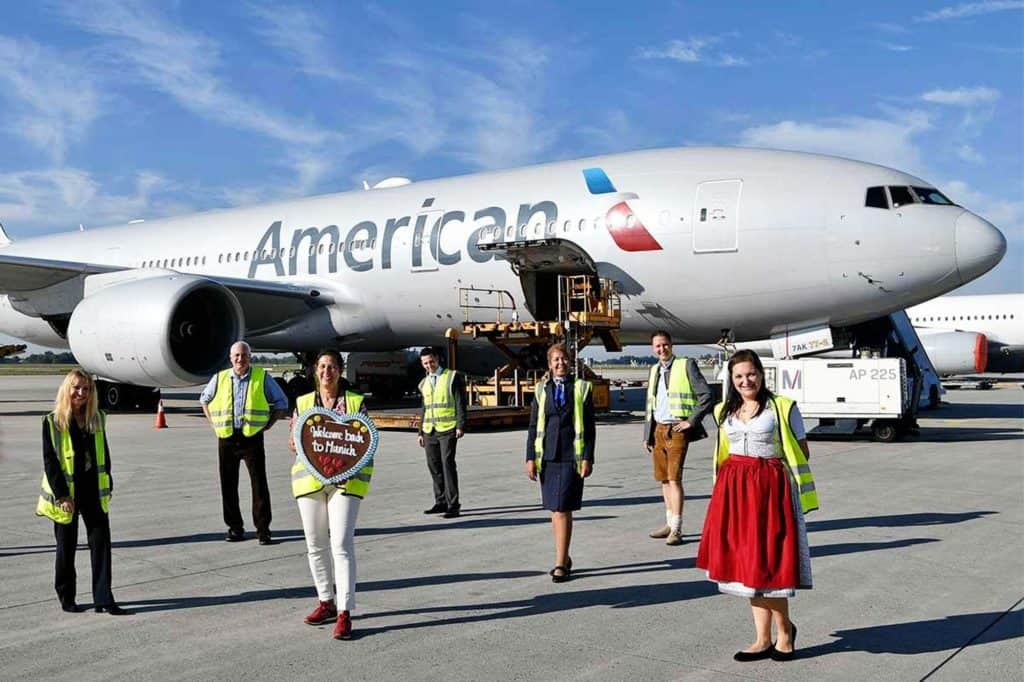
x,y
917,558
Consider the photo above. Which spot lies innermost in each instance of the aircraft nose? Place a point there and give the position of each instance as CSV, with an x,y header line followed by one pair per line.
x,y
979,246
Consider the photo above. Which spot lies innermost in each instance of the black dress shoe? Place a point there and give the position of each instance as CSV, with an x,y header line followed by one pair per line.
x,y
235,535
265,539
436,509
748,656
113,610
71,607
452,513
787,655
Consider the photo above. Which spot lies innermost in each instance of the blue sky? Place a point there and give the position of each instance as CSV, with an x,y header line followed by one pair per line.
x,y
111,111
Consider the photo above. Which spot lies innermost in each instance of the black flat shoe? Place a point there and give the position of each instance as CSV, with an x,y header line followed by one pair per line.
x,y
787,655
113,610
560,577
748,656
71,608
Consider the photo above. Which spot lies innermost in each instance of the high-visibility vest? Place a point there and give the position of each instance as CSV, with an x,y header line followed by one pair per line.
x,y
255,413
303,482
438,403
47,505
681,399
583,388
795,457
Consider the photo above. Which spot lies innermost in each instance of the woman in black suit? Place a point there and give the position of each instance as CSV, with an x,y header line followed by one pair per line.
x,y
560,449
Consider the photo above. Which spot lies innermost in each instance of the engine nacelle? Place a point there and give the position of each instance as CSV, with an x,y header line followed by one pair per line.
x,y
955,352
164,330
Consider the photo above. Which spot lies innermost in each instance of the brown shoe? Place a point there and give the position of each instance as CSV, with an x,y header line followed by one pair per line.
x,y
343,628
662,532
674,538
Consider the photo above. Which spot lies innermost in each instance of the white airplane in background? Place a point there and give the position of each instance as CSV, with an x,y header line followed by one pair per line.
x,y
972,334
703,242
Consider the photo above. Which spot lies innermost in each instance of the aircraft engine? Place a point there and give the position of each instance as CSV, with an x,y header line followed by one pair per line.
x,y
955,352
169,330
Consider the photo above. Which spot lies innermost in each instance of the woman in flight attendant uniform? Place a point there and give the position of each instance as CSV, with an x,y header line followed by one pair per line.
x,y
754,542
560,449
329,511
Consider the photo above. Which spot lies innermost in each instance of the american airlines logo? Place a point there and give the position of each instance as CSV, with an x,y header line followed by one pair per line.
x,y
368,245
626,229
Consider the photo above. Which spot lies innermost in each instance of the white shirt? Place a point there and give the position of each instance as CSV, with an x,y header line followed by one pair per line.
x,y
759,437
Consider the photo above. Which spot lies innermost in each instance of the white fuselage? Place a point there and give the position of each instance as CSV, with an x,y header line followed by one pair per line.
x,y
787,243
1000,317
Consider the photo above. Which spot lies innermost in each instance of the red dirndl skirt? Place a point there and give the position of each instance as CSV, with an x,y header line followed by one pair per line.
x,y
750,532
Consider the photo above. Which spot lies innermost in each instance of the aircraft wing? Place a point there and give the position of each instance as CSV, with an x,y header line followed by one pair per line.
x,y
265,304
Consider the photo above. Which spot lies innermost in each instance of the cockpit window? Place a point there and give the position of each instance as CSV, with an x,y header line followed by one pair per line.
x,y
901,196
930,195
876,198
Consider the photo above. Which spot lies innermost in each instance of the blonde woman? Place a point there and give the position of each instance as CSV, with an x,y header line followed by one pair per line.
x,y
77,482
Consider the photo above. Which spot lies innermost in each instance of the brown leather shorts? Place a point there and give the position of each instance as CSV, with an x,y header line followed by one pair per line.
x,y
669,453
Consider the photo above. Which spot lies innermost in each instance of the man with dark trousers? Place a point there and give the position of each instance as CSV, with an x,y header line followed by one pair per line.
x,y
241,403
442,423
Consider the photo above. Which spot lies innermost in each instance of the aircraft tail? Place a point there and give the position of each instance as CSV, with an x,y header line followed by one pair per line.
x,y
4,239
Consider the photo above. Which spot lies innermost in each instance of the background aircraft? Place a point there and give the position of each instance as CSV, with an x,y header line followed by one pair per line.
x,y
704,242
972,334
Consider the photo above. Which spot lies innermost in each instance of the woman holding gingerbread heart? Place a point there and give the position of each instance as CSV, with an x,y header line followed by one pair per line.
x,y
329,511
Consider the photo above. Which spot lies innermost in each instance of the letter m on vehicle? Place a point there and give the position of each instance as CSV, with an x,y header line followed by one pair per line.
x,y
791,380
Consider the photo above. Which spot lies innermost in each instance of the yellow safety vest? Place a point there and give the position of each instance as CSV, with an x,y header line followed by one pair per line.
x,y
255,413
795,457
681,399
438,403
303,482
47,505
580,394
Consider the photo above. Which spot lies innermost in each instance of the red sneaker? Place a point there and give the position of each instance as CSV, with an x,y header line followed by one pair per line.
x,y
343,628
323,614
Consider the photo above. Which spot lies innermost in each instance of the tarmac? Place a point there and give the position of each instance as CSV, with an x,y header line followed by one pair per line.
x,y
917,557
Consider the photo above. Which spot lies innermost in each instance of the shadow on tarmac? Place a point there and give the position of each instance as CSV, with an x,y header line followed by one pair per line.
x,y
923,636
977,411
471,523
615,597
956,435
897,520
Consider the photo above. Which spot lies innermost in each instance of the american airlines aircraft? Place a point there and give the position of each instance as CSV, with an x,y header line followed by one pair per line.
x,y
969,334
704,242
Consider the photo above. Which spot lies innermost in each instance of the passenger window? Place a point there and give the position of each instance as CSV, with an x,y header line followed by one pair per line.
x,y
901,196
876,198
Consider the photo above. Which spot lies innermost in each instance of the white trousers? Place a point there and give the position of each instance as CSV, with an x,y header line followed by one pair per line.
x,y
329,522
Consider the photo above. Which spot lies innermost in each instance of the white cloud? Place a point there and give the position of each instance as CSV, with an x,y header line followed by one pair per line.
x,y
299,33
969,154
886,142
691,51
964,97
183,65
970,9
892,47
63,198
53,100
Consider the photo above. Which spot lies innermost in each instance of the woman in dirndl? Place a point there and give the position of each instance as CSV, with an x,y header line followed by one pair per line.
x,y
754,542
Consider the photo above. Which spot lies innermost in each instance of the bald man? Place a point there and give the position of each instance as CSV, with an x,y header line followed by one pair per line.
x,y
241,403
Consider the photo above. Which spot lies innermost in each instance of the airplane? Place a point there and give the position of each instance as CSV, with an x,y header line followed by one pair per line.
x,y
972,334
705,242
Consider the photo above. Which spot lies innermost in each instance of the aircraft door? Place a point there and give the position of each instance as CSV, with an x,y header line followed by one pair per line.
x,y
716,216
426,236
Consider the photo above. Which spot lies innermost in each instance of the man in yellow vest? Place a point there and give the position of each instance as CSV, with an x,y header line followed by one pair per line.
x,y
678,399
241,403
442,423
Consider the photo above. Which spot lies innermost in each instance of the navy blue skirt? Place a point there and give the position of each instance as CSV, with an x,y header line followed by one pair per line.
x,y
561,487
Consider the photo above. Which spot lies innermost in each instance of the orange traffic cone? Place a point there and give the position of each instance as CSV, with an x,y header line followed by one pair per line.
x,y
161,421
